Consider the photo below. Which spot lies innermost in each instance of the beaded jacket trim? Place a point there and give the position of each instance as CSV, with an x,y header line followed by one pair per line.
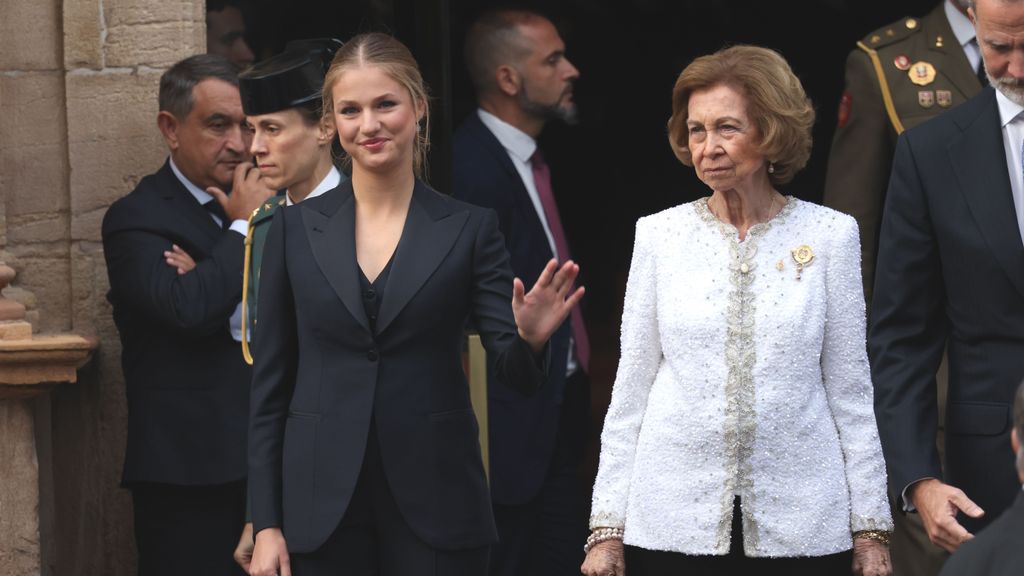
x,y
740,352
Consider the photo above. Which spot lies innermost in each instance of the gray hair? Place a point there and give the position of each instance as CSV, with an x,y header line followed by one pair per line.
x,y
493,40
177,82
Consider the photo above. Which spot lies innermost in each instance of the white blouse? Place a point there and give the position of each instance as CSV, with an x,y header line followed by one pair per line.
x,y
743,372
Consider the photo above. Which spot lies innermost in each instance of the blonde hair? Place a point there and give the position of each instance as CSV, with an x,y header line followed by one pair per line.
x,y
394,59
776,103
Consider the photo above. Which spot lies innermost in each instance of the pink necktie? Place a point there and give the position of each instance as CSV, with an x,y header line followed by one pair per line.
x,y
542,179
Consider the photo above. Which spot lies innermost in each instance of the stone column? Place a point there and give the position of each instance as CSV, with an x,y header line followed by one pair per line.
x,y
28,367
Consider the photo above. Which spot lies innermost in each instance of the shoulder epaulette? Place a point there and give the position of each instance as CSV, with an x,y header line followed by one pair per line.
x,y
267,208
883,86
892,33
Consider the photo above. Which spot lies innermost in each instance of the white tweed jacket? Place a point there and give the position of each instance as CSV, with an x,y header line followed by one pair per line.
x,y
743,372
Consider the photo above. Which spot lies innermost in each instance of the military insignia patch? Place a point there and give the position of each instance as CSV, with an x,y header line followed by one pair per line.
x,y
901,62
922,73
944,98
926,98
845,105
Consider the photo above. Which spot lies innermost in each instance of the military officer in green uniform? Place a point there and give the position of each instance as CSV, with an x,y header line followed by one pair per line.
x,y
898,77
292,144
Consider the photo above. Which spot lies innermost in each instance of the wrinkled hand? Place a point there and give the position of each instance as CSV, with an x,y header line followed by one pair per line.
x,y
607,558
243,552
870,558
248,191
270,556
542,310
938,504
179,259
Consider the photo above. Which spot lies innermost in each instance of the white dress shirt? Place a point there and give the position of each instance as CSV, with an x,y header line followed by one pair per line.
x,y
1012,122
520,146
240,226
964,32
742,375
329,182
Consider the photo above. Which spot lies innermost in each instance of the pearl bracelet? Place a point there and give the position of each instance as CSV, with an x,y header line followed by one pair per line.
x,y
599,535
880,536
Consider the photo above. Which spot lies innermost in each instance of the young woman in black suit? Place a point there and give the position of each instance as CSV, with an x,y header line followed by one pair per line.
x,y
364,456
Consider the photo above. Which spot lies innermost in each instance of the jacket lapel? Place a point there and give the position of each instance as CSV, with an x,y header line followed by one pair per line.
x,y
184,203
431,230
978,160
331,233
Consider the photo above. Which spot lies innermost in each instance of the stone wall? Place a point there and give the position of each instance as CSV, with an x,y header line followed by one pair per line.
x,y
78,103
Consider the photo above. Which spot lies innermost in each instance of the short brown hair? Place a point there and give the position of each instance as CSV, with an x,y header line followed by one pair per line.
x,y
391,56
776,103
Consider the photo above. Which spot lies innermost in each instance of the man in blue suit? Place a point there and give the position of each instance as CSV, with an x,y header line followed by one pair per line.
x,y
517,63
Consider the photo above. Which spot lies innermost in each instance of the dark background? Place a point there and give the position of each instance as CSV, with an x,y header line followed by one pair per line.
x,y
615,165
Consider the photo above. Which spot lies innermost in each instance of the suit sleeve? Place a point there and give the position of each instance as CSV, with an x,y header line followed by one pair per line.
x,y
276,356
641,356
515,363
908,327
860,159
199,302
847,380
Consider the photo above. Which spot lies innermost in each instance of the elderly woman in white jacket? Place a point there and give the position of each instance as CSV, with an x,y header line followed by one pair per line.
x,y
740,435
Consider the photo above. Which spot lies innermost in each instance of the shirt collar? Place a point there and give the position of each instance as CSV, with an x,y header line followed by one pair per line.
x,y
1008,110
961,25
329,182
518,143
201,196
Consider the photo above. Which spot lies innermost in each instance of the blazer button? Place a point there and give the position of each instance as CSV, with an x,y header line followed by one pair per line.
x,y
370,294
371,355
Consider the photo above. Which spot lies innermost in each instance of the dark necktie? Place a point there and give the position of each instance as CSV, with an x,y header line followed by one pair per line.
x,y
213,207
542,180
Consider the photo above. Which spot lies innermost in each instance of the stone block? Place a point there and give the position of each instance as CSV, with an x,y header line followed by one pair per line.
x,y
157,44
48,278
19,490
38,230
83,34
113,140
127,12
33,165
30,35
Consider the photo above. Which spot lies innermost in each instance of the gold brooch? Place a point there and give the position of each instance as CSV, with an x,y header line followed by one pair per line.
x,y
803,256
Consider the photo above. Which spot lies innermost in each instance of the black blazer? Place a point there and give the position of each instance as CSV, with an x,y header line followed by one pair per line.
x,y
522,430
321,374
996,551
951,267
187,385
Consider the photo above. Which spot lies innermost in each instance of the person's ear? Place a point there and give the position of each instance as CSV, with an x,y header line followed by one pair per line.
x,y
168,124
970,14
326,131
1014,441
508,80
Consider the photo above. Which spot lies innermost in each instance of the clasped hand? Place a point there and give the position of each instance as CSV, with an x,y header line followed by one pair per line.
x,y
542,310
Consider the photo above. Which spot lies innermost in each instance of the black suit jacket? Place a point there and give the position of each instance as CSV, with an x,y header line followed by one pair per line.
x,y
997,551
187,385
322,376
523,430
951,267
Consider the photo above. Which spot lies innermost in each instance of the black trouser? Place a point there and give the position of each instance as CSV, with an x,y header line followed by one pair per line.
x,y
641,562
545,536
373,538
188,529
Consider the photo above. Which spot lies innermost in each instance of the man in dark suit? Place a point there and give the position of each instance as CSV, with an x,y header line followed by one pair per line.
x,y
999,549
517,63
885,94
951,268
187,384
